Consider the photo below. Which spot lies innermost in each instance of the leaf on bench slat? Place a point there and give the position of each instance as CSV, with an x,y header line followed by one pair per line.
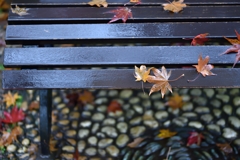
x,y
98,3
20,11
175,6
121,13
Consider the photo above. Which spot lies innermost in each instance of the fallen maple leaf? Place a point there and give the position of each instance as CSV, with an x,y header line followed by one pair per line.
x,y
121,13
33,106
52,145
195,138
10,99
166,133
175,6
234,41
203,67
234,48
8,137
142,73
225,147
114,106
20,11
98,3
237,58
135,1
199,39
160,81
175,102
86,97
135,142
13,117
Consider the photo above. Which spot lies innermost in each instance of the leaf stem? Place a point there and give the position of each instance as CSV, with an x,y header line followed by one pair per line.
x,y
194,78
143,89
176,78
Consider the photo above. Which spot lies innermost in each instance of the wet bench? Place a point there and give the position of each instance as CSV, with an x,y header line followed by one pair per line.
x,y
144,39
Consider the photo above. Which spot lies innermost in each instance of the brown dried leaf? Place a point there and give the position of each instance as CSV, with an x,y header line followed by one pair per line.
x,y
203,67
175,6
34,105
98,3
175,102
86,97
32,149
20,11
135,142
142,73
52,145
8,138
225,147
234,41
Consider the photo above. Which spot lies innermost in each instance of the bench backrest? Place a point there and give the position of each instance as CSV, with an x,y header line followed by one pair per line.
x,y
144,39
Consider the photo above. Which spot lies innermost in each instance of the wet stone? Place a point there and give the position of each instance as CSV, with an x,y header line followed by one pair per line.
x,y
195,92
63,122
72,141
86,114
137,131
125,94
146,103
207,118
159,105
234,91
102,108
89,107
161,115
195,124
11,148
59,135
102,152
95,127
122,127
143,95
180,121
25,142
223,97
74,115
215,103
98,117
36,139
151,148
148,115
238,111
65,111
183,91
189,115
221,122
237,142
155,96
134,100
136,120
227,109
91,151
151,123
236,101
129,113
22,150
28,126
217,112
102,93
200,101
115,114
60,106
185,97
109,121
86,124
113,93
71,133
92,140
229,133
187,106
221,90
173,111
81,145
110,131
74,124
209,92
57,100
202,110
68,149
101,101
100,135
122,140
32,133
138,109
234,121
83,133
213,127
113,150
105,142
28,119
167,123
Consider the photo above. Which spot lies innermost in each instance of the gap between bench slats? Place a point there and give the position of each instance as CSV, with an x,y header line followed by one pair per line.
x,y
180,55
32,34
140,14
118,2
111,79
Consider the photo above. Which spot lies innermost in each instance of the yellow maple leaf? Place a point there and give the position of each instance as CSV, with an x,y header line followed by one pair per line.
x,y
10,99
174,6
166,133
98,3
175,102
142,73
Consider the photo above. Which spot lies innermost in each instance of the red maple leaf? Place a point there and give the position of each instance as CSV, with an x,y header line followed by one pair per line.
x,y
237,58
194,138
121,13
114,106
13,117
199,39
76,155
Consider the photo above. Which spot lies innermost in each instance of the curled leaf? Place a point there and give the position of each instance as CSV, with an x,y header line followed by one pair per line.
x,y
98,3
20,11
135,142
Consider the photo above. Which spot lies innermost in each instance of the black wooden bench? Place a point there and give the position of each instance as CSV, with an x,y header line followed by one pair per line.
x,y
120,45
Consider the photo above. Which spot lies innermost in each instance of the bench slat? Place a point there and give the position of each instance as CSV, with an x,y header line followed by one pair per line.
x,y
176,55
111,79
157,14
116,2
30,34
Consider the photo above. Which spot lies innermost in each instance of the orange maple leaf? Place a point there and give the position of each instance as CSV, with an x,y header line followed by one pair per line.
x,y
161,81
98,3
86,97
142,73
199,39
175,6
234,41
203,67
175,102
10,99
166,133
8,137
52,145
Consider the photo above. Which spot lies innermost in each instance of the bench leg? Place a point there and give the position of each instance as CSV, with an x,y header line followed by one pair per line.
x,y
45,121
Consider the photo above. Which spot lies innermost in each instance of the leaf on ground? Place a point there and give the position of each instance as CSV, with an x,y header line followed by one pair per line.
x,y
121,13
234,41
14,116
54,117
32,149
195,138
10,99
72,99
225,147
34,105
142,73
98,3
160,80
20,11
52,145
114,106
135,142
175,102
166,133
8,137
175,6
199,39
86,97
